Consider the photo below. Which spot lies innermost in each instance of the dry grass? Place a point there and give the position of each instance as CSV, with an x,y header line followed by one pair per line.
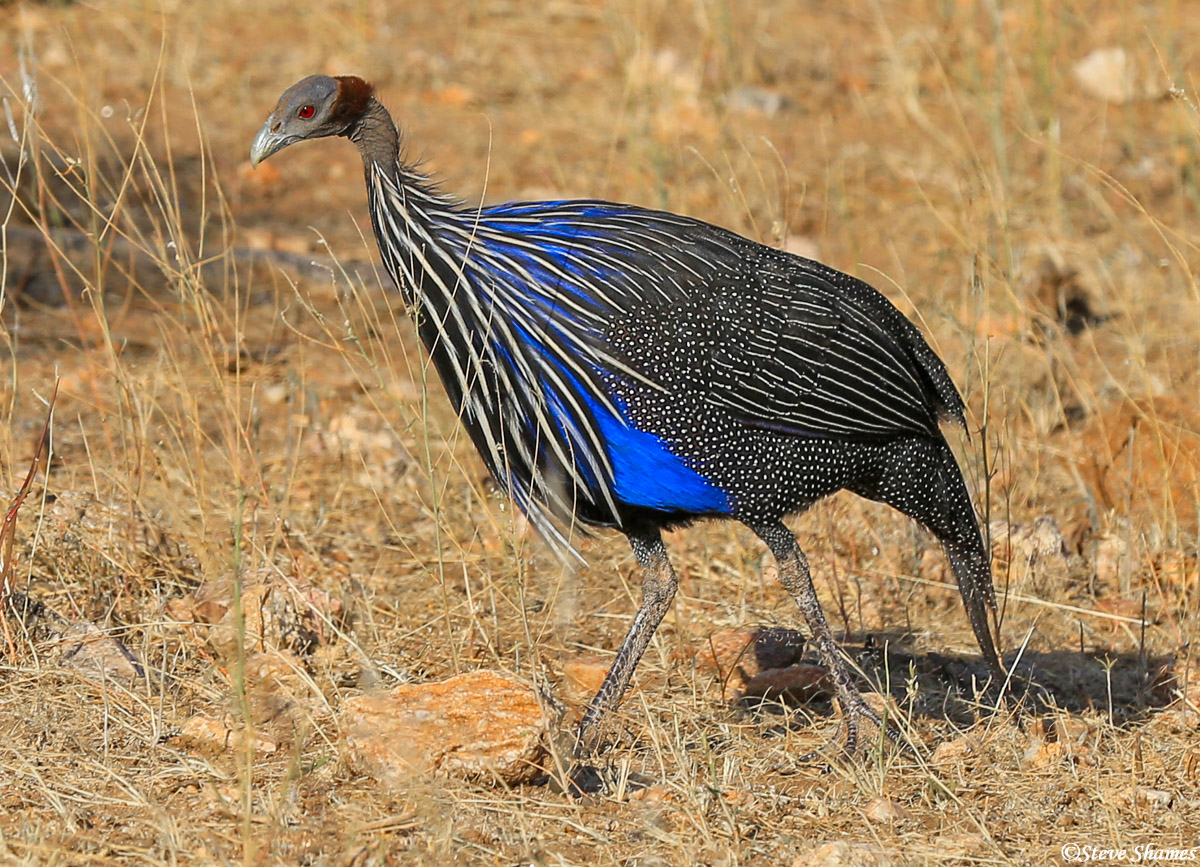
x,y
225,415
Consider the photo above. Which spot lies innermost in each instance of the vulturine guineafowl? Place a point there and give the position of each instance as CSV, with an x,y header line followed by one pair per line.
x,y
635,369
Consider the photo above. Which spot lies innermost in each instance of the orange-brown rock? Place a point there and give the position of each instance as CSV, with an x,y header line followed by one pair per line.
x,y
796,684
582,677
483,725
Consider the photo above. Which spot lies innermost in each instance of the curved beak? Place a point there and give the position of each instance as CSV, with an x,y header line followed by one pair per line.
x,y
267,142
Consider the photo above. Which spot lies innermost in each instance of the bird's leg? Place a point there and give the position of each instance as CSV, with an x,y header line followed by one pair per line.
x,y
658,589
795,578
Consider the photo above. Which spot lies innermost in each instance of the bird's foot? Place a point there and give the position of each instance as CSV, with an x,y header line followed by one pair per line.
x,y
580,781
583,780
847,742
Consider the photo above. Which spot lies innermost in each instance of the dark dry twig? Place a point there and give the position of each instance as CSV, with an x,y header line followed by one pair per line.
x,y
8,531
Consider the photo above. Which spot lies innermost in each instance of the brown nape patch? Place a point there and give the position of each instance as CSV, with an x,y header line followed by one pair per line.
x,y
354,95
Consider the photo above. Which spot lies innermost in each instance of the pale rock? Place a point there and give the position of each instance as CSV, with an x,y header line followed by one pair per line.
x,y
1112,75
886,811
1155,799
277,614
206,736
1113,561
372,450
756,100
955,751
92,652
841,853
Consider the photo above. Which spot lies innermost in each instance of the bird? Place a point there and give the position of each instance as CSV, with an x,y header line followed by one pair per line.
x,y
627,368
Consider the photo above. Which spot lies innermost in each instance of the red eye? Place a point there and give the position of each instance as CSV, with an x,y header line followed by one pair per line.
x,y
307,111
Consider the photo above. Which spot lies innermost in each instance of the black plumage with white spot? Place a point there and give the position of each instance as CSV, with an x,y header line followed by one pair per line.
x,y
623,367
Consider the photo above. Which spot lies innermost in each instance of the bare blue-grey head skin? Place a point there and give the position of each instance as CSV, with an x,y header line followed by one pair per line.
x,y
314,107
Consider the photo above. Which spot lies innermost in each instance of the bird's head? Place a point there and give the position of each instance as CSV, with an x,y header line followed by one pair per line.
x,y
317,106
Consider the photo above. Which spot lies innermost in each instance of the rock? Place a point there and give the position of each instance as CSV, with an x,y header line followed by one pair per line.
x,y
1037,548
737,655
1113,562
886,811
582,677
955,751
885,705
1042,756
1072,729
483,725
954,844
206,736
796,684
91,651
1156,799
1039,540
277,614
751,99
1112,75
841,853
281,696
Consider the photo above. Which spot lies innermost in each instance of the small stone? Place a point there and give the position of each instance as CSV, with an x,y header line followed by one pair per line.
x,y
377,453
206,736
654,792
1113,561
483,725
796,684
737,655
91,651
582,677
739,798
280,695
885,705
955,750
1047,755
1156,799
1110,74
841,853
753,99
958,843
1040,540
277,614
886,811
1072,729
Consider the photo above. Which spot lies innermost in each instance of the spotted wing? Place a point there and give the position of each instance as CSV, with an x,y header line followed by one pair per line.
x,y
814,352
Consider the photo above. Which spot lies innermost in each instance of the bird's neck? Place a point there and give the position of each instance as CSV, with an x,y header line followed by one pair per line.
x,y
375,135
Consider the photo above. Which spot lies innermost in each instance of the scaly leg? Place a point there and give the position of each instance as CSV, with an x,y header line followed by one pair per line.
x,y
658,590
795,578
